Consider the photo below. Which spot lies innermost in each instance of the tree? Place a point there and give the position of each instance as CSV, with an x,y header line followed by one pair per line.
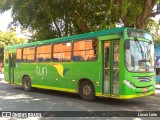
x,y
57,18
154,28
7,39
49,19
135,13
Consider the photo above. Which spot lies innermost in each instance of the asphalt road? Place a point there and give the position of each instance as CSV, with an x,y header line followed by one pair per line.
x,y
14,98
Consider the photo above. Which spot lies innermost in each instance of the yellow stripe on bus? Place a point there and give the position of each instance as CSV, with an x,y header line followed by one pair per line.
x,y
51,88
97,93
54,88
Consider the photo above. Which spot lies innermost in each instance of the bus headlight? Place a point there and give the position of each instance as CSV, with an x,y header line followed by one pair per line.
x,y
129,84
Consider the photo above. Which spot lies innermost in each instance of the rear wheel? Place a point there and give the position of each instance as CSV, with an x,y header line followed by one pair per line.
x,y
87,91
27,84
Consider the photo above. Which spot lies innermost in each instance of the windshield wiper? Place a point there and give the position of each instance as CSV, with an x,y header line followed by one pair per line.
x,y
141,50
149,47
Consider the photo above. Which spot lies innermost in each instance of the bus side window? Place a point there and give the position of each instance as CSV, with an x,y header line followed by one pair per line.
x,y
62,52
19,55
95,47
85,50
28,54
43,53
13,60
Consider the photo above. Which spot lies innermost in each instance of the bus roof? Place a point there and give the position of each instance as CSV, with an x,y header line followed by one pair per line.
x,y
68,38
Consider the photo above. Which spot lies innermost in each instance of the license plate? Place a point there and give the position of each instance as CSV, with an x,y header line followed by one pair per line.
x,y
144,89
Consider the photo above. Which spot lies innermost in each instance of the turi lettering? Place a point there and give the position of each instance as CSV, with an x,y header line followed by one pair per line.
x,y
41,70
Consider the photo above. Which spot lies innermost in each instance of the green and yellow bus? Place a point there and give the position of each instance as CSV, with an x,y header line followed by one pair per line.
x,y
116,63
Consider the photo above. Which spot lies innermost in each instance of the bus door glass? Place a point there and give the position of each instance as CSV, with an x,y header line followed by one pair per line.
x,y
12,66
111,67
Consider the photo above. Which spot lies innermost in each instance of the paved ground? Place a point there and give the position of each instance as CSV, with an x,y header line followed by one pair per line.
x,y
13,98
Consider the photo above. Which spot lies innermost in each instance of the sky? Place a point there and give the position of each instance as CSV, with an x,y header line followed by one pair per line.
x,y
5,19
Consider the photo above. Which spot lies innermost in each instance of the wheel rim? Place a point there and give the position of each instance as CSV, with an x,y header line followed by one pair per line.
x,y
87,90
26,83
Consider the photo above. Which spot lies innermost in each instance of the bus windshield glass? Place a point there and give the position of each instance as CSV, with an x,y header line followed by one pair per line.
x,y
139,56
139,34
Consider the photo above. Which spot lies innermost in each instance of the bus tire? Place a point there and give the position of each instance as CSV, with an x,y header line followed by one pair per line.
x,y
27,84
87,91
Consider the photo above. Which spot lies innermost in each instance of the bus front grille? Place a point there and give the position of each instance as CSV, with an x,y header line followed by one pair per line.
x,y
144,79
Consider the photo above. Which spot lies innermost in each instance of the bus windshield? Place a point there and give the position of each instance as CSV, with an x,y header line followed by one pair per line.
x,y
139,57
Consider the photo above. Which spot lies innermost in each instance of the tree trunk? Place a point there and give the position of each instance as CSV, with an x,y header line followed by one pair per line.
x,y
59,32
147,12
140,25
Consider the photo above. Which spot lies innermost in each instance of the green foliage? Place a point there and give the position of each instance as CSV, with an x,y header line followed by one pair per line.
x,y
7,39
154,28
57,18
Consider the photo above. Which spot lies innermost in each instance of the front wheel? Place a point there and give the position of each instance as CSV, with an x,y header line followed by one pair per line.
x,y
27,84
87,91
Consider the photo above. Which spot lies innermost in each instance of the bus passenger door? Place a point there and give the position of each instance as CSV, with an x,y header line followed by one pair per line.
x,y
12,64
111,68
